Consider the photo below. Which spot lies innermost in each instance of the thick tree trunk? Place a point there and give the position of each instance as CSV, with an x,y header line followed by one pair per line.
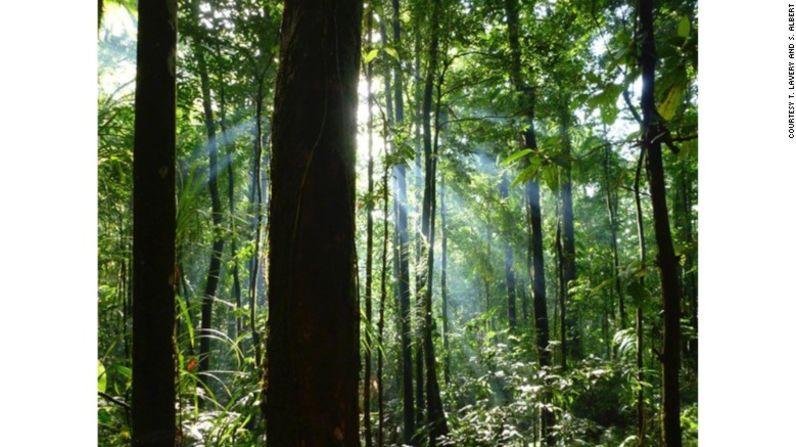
x,y
402,231
667,260
312,388
508,266
154,226
369,245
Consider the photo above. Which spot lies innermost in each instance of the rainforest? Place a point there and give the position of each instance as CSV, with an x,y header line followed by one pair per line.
x,y
397,223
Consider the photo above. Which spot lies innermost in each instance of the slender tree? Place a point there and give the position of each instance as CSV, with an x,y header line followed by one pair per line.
x,y
533,207
213,272
652,130
402,233
312,348
154,226
436,416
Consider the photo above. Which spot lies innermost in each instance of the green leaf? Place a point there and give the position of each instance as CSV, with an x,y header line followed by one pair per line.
x,y
684,27
102,378
392,52
370,55
515,156
672,101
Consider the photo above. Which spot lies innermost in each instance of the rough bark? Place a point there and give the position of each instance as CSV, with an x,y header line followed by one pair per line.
x,y
313,343
154,226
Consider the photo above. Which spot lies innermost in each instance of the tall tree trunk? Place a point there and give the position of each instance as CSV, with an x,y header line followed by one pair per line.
x,y
154,226
218,241
369,244
443,214
402,231
667,260
436,416
535,250
313,343
508,258
568,233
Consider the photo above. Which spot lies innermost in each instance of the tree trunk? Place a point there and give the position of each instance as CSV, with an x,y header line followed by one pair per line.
x,y
436,416
667,260
218,241
257,205
313,364
535,250
568,235
402,231
154,226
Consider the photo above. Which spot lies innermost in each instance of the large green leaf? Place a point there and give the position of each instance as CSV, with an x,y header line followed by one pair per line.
x,y
102,377
669,106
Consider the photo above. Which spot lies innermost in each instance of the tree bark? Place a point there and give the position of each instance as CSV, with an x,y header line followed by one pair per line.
x,y
154,226
667,260
312,388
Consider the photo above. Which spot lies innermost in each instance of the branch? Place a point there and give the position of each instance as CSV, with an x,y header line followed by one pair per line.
x,y
112,399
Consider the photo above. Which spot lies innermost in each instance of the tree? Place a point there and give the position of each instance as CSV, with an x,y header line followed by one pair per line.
x,y
214,269
313,324
154,226
534,215
667,260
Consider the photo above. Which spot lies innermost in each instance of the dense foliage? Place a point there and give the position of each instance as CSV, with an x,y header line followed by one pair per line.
x,y
580,61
